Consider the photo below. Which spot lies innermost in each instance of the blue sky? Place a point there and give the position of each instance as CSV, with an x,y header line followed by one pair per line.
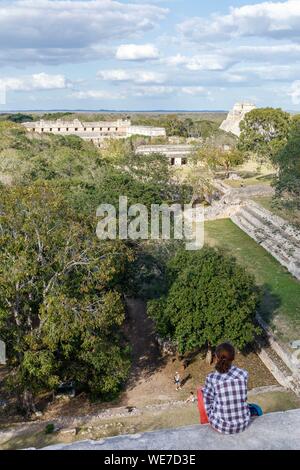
x,y
143,55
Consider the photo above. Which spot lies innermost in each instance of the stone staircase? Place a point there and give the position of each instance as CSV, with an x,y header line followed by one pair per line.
x,y
271,232
229,200
279,369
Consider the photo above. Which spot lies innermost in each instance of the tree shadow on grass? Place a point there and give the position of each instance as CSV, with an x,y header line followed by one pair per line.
x,y
268,177
185,379
269,305
268,308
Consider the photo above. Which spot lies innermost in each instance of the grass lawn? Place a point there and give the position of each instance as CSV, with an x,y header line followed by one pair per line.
x,y
281,300
250,180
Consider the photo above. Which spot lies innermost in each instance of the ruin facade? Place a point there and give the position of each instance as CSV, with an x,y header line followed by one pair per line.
x,y
177,155
95,132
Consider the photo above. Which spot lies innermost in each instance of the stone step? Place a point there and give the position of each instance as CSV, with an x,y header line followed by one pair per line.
x,y
269,245
271,232
264,239
271,225
277,221
280,249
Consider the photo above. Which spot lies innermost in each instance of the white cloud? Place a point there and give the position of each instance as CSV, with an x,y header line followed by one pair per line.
x,y
39,81
268,71
97,95
135,76
142,91
194,90
137,52
116,75
224,58
233,77
154,91
281,51
267,19
294,92
168,90
244,65
207,62
44,29
200,62
175,60
53,56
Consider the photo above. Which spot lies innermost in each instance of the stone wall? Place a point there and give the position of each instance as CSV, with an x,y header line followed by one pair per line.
x,y
272,431
177,154
146,131
94,131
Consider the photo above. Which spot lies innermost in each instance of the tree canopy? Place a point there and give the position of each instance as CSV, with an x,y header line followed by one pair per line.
x,y
61,289
209,299
217,157
287,161
264,131
25,158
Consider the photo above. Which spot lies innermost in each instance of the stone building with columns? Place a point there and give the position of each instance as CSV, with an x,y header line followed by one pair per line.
x,y
178,155
95,132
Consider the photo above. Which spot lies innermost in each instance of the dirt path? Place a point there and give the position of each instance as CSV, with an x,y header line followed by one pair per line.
x,y
146,357
151,377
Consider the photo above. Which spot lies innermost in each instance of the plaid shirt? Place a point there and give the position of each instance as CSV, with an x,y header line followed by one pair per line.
x,y
225,397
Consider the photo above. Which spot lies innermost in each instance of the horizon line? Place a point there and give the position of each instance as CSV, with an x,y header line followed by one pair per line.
x,y
115,110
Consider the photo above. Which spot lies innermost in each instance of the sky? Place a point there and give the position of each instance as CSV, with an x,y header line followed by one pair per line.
x,y
149,55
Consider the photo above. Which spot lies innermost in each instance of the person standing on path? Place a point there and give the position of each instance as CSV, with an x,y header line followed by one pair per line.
x,y
177,381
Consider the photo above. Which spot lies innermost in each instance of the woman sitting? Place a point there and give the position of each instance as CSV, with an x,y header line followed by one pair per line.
x,y
225,394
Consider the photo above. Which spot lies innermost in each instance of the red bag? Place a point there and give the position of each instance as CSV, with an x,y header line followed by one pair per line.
x,y
201,407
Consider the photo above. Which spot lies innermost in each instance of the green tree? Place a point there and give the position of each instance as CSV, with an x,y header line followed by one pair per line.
x,y
287,160
202,128
60,115
175,126
215,158
91,176
25,157
264,131
209,299
61,301
19,118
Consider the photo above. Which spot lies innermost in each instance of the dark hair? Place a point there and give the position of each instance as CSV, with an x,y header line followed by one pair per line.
x,y
225,355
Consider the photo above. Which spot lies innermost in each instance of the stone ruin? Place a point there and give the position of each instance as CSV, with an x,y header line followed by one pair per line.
x,y
273,233
235,117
